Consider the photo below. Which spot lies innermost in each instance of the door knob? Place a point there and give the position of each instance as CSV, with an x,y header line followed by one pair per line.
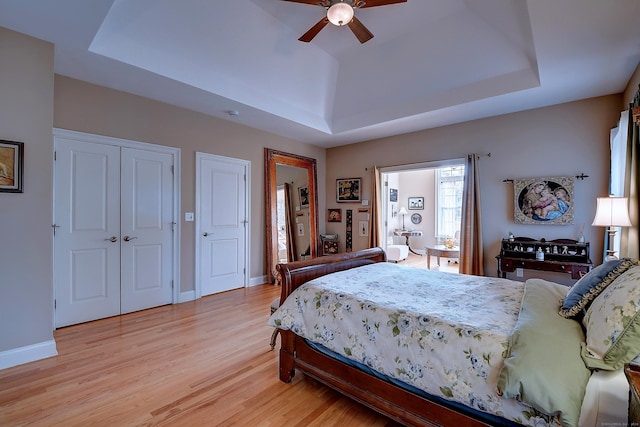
x,y
112,239
205,234
128,239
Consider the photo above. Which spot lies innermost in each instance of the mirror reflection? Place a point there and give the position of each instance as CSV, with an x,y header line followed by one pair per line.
x,y
291,200
292,204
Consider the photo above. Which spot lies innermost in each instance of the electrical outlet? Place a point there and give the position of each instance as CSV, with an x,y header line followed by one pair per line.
x,y
519,272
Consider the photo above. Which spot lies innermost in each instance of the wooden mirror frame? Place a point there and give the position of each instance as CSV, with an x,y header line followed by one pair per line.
x,y
272,158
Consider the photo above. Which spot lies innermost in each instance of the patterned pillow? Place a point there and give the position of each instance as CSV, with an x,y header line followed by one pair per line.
x,y
591,285
613,324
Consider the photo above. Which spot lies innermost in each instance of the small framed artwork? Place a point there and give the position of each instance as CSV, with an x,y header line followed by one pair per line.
x,y
348,190
543,200
393,194
363,228
11,166
416,218
416,203
335,215
303,192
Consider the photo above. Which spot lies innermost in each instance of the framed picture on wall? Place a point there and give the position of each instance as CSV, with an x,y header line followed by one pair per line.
x,y
543,200
348,190
416,203
11,166
393,194
334,215
303,192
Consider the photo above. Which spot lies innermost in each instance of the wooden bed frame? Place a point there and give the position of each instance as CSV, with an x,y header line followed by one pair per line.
x,y
389,399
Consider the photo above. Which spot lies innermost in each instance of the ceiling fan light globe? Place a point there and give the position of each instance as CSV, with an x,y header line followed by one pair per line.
x,y
340,13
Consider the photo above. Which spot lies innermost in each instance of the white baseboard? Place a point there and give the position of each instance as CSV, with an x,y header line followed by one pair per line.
x,y
255,281
26,354
186,296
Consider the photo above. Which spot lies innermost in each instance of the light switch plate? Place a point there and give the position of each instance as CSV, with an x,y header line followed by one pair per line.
x,y
188,216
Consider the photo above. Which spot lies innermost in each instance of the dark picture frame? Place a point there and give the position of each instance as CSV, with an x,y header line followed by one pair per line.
x,y
393,194
348,190
11,166
544,200
415,203
334,215
303,193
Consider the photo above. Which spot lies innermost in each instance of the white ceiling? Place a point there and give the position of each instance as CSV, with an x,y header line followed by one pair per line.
x,y
431,62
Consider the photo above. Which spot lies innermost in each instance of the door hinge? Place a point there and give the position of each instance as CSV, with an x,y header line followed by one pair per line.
x,y
173,225
173,169
54,226
55,304
55,156
172,284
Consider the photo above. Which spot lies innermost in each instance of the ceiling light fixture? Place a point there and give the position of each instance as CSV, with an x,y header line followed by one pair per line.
x,y
340,13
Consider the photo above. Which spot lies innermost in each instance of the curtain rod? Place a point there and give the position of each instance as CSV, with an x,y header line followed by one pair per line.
x,y
581,177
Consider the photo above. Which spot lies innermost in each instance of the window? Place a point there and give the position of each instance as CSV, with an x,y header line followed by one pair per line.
x,y
449,184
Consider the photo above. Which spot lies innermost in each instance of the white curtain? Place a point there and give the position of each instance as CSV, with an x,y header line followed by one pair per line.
x,y
618,144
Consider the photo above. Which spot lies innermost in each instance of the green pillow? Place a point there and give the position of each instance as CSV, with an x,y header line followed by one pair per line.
x,y
612,323
591,285
543,367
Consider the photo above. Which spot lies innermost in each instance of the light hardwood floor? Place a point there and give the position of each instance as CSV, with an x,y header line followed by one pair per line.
x,y
448,265
205,362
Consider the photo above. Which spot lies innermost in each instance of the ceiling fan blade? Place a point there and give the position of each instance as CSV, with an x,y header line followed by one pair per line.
x,y
359,30
312,2
309,35
374,3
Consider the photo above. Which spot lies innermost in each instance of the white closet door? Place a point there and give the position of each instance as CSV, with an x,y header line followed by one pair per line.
x,y
87,236
147,229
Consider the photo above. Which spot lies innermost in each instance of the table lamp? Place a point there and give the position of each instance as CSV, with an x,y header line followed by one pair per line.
x,y
403,212
612,212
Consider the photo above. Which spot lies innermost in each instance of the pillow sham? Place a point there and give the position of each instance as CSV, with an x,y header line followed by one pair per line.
x,y
542,366
612,323
591,285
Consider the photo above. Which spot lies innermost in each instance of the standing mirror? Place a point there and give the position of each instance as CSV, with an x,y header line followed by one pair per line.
x,y
291,208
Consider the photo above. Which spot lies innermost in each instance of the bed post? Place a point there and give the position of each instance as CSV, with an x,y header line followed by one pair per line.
x,y
287,350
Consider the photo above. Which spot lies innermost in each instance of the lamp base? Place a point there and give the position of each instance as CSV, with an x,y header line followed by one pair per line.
x,y
611,253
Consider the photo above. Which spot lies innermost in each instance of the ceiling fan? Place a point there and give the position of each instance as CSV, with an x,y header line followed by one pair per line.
x,y
341,12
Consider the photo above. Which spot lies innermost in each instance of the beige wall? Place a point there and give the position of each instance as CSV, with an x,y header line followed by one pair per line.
x,y
562,140
94,109
26,115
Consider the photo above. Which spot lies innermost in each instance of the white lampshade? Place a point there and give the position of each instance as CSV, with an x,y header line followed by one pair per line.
x,y
403,211
612,212
340,13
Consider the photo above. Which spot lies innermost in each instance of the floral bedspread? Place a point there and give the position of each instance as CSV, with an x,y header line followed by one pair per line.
x,y
440,332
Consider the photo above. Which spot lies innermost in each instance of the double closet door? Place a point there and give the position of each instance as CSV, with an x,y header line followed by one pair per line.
x,y
113,221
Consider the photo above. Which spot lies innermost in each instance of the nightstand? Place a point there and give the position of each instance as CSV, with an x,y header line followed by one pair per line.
x,y
632,372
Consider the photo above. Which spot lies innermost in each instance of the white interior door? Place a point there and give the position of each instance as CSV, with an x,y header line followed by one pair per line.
x,y
87,233
222,221
146,229
115,237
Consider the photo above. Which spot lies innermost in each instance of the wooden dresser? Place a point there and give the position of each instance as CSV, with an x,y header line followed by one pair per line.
x,y
560,255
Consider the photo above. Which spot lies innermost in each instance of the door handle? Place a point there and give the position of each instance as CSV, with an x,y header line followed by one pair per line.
x,y
205,234
112,239
128,239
